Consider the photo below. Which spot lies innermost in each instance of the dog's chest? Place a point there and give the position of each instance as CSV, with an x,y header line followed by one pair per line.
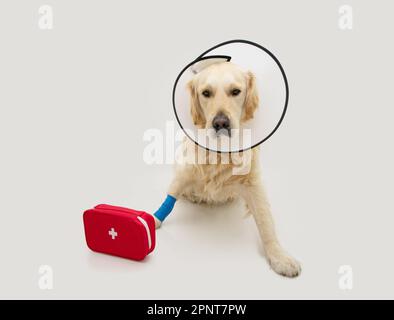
x,y
212,184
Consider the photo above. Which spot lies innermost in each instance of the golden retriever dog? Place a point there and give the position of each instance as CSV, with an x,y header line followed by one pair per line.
x,y
222,98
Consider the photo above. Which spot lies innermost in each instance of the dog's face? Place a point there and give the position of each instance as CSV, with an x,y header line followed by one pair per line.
x,y
222,97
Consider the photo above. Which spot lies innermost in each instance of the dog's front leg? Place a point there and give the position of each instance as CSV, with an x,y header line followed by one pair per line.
x,y
258,205
178,185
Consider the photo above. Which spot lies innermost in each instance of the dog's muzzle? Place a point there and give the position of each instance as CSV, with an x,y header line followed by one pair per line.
x,y
221,124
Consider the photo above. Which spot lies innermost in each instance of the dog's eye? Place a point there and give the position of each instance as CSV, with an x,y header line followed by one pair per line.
x,y
235,92
206,93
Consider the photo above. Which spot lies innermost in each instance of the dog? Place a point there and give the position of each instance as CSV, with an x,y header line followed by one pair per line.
x,y
223,97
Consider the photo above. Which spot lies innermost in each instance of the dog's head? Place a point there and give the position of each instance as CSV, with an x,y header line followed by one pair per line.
x,y
222,97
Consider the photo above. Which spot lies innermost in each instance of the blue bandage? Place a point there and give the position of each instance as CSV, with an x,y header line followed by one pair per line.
x,y
166,208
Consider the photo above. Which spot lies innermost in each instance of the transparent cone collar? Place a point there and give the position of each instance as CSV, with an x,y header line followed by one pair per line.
x,y
270,84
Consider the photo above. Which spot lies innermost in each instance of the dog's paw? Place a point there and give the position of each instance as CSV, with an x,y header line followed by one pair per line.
x,y
283,264
157,223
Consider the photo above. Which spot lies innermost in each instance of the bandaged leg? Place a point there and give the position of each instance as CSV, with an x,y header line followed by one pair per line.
x,y
164,210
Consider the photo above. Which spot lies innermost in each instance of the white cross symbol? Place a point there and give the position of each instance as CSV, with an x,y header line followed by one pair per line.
x,y
113,233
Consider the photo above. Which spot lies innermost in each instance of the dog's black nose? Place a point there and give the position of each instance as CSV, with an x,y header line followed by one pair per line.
x,y
221,121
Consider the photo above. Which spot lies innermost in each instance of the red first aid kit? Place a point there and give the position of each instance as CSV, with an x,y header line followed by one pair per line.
x,y
119,231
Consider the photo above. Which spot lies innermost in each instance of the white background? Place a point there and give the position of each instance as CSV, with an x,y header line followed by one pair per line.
x,y
76,100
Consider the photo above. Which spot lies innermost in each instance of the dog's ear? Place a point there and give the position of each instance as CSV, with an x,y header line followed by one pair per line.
x,y
195,107
252,97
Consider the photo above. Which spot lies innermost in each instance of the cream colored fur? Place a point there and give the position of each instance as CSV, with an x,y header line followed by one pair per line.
x,y
217,183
